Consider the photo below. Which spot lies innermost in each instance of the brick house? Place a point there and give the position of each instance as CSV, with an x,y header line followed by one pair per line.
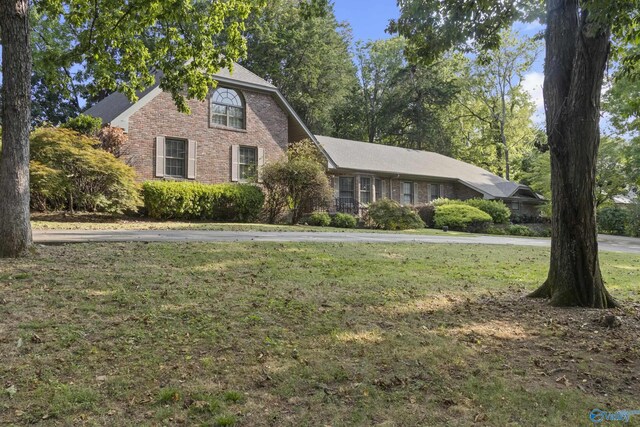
x,y
362,172
246,122
242,124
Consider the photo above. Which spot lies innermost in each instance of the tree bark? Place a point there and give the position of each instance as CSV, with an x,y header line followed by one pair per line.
x,y
15,228
576,57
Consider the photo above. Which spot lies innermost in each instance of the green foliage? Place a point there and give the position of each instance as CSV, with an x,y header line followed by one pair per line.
x,y
434,27
444,201
519,230
633,224
297,183
306,55
427,214
495,112
189,200
461,217
68,172
343,220
397,103
611,170
120,46
320,219
612,219
47,185
306,150
613,174
499,212
84,124
56,91
390,215
536,172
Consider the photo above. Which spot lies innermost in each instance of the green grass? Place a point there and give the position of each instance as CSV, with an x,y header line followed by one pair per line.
x,y
307,334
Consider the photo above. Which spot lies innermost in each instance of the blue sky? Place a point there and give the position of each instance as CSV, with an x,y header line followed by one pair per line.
x,y
368,18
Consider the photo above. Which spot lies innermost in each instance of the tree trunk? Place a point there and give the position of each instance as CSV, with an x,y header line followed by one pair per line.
x,y
576,57
15,229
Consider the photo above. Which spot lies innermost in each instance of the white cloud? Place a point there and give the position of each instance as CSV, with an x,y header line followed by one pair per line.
x,y
532,84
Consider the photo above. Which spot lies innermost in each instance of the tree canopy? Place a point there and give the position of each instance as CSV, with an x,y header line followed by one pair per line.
x,y
304,52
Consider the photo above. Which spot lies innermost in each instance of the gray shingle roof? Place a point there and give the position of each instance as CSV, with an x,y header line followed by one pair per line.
x,y
115,104
364,156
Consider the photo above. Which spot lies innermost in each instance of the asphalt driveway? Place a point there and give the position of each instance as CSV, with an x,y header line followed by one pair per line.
x,y
606,243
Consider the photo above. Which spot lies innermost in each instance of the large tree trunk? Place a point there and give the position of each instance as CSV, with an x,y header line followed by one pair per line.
x,y
15,229
576,57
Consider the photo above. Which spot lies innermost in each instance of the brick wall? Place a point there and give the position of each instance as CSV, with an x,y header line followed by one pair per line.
x,y
462,192
266,127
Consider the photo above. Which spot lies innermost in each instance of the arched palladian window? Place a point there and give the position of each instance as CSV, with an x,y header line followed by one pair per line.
x,y
227,108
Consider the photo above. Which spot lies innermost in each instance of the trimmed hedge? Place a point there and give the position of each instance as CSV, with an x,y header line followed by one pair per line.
x,y
390,215
462,217
499,212
187,200
343,220
319,219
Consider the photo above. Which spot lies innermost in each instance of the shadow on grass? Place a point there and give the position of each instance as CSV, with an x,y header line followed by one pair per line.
x,y
328,334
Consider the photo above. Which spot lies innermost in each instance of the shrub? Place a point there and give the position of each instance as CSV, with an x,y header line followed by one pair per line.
x,y
499,212
189,200
67,172
320,219
84,124
427,213
307,150
633,219
500,231
462,217
297,183
112,140
612,219
390,215
519,230
444,201
343,220
529,219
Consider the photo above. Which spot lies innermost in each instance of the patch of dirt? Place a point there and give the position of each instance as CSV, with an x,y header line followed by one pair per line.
x,y
595,351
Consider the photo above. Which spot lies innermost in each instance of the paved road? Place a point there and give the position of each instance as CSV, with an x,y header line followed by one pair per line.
x,y
607,243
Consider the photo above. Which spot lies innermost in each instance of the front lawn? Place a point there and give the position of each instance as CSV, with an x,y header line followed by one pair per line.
x,y
275,334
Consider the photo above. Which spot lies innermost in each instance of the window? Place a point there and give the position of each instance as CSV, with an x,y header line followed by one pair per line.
x,y
515,206
174,158
227,108
247,163
378,189
365,189
407,193
346,185
435,191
